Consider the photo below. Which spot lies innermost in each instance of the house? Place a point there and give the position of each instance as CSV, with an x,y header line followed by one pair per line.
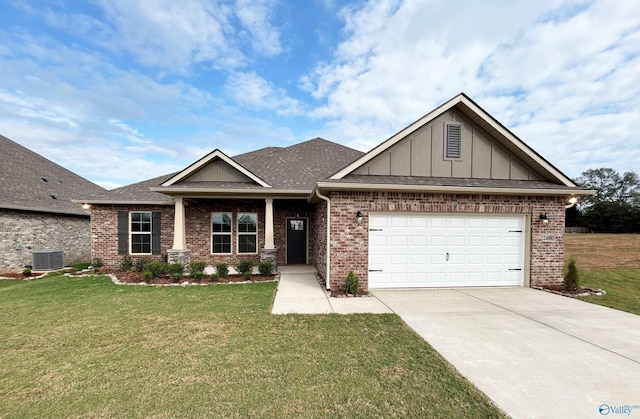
x,y
453,200
36,212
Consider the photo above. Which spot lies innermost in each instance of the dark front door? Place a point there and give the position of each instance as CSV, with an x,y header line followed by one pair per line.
x,y
296,241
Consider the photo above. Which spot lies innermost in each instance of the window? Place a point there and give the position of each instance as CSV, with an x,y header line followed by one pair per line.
x,y
140,233
220,232
247,233
454,135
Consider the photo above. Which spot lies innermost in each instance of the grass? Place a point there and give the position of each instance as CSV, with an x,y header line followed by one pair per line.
x,y
86,347
610,262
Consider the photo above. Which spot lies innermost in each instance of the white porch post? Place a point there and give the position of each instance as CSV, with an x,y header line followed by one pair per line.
x,y
268,224
179,241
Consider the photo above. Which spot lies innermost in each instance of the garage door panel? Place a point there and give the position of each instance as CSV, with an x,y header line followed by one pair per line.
x,y
411,250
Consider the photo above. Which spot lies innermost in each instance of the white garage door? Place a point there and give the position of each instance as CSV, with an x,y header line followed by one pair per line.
x,y
409,250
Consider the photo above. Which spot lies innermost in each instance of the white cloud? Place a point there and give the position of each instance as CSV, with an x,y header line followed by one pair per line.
x,y
254,15
252,91
534,67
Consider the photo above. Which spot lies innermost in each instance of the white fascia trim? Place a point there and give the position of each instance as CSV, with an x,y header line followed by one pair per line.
x,y
397,137
209,157
450,189
241,193
121,202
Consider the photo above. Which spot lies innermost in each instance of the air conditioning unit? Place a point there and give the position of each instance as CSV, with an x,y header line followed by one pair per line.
x,y
48,260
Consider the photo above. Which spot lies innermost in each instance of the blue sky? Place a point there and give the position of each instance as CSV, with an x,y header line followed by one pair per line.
x,y
119,91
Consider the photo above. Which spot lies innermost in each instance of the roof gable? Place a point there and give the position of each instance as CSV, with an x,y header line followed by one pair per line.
x,y
215,166
488,150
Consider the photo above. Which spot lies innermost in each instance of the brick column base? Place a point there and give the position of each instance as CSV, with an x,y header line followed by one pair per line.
x,y
269,255
179,256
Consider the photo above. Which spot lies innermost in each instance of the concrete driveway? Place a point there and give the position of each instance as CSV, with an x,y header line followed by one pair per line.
x,y
535,354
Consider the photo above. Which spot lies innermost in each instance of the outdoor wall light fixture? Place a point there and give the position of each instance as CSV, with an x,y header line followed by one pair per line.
x,y
359,217
543,217
86,206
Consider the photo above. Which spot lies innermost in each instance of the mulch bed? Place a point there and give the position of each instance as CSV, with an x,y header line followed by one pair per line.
x,y
580,292
137,277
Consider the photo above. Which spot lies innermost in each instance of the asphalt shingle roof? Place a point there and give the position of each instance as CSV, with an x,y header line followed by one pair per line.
x,y
297,167
31,182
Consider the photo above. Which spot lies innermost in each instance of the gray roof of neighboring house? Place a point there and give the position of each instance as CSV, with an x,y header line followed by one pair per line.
x,y
297,167
31,182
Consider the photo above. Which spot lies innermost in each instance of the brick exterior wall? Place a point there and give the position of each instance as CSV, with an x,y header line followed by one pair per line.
x,y
104,231
318,238
104,228
21,232
349,240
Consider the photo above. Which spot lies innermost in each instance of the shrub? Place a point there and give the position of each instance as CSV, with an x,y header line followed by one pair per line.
x,y
352,284
126,263
214,277
175,271
141,264
247,275
156,268
196,270
222,269
148,276
26,272
571,279
244,266
265,268
97,263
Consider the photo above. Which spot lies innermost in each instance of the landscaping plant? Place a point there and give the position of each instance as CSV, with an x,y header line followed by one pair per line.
x,y
126,263
352,284
196,270
571,280
175,271
222,269
245,267
265,268
141,264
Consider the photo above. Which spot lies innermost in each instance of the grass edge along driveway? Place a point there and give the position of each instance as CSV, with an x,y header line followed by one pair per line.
x,y
86,347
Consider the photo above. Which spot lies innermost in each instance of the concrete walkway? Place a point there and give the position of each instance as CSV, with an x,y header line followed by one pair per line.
x,y
535,354
299,292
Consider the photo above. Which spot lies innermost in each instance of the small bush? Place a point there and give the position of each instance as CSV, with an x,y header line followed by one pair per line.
x,y
156,268
352,284
244,266
214,277
26,272
196,270
571,280
175,271
247,275
148,276
126,263
265,268
141,264
97,263
222,269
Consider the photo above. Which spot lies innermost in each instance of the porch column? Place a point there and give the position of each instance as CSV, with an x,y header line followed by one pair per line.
x,y
179,241
268,224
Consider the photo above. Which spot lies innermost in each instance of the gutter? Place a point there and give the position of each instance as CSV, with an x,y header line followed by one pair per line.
x,y
473,190
328,267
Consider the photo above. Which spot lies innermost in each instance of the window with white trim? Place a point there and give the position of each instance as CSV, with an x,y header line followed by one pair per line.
x,y
221,232
140,233
247,233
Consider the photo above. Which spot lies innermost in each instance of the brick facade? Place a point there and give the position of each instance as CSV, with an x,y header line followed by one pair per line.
x,y
349,240
21,232
318,239
104,228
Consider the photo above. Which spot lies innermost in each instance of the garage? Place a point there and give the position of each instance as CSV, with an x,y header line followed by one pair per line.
x,y
445,250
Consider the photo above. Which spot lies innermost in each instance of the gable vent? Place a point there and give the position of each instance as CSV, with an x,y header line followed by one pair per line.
x,y
454,134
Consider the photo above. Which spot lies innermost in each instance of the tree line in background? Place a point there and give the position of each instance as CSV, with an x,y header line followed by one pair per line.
x,y
615,208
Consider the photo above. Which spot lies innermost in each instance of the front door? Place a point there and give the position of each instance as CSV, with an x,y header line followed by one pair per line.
x,y
296,241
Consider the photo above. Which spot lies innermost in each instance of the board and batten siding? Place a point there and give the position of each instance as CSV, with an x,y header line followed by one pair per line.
x,y
423,153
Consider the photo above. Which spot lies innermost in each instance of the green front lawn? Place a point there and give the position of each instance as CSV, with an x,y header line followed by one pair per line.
x,y
86,347
621,285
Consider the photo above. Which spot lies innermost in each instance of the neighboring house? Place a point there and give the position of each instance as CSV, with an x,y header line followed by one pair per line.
x,y
36,212
453,200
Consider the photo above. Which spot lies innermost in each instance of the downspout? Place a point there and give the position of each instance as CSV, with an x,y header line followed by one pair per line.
x,y
325,198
